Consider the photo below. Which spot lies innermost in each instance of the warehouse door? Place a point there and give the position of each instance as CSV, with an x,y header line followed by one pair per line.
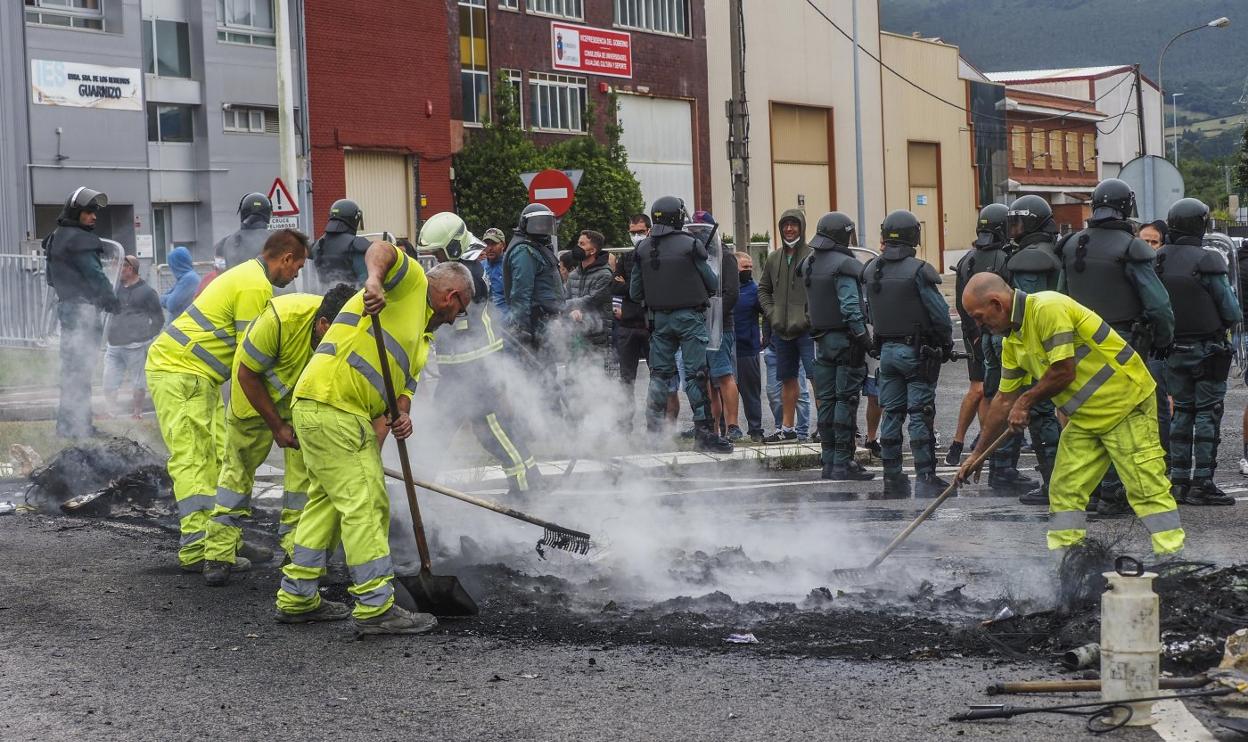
x,y
924,163
658,136
380,182
801,170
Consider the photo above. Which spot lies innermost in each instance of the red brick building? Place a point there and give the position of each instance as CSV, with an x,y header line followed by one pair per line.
x,y
1053,151
562,55
378,109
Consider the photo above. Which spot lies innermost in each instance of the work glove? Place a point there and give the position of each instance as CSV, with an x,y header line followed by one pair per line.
x,y
1161,353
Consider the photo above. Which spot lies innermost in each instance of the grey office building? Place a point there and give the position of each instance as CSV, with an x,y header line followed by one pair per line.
x,y
168,106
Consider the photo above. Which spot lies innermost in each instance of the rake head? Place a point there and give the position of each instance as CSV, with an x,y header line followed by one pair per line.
x,y
564,540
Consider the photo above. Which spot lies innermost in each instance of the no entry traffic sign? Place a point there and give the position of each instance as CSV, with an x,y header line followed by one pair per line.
x,y
554,189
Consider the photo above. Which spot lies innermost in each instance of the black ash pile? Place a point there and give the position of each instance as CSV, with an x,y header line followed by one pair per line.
x,y
103,478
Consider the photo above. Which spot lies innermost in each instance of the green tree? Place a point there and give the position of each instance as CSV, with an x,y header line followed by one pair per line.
x,y
488,189
1241,163
608,191
1205,180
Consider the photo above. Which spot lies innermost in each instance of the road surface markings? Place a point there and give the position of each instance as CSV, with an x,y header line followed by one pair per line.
x,y
1176,724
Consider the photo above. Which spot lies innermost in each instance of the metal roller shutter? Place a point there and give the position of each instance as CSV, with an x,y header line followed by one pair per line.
x,y
380,182
658,136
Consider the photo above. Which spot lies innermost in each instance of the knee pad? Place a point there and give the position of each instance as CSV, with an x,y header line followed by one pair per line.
x,y
895,410
927,410
890,441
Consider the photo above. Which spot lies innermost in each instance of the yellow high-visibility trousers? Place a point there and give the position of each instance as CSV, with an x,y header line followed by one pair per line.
x,y
248,442
1134,448
186,409
347,496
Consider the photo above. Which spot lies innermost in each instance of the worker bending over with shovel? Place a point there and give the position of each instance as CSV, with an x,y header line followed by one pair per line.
x,y
336,399
274,350
1102,386
186,366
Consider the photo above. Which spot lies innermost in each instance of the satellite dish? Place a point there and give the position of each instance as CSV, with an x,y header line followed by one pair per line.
x,y
1157,185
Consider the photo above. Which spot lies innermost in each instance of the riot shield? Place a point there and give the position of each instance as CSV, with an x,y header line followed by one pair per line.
x,y
709,235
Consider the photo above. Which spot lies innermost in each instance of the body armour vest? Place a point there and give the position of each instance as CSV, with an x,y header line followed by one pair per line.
x,y
547,285
242,245
822,269
1180,268
893,295
1036,259
668,272
1095,262
335,257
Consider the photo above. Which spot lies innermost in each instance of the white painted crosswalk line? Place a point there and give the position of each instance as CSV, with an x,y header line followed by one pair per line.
x,y
1176,724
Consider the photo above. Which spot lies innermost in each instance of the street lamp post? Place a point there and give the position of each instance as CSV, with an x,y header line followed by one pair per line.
x,y
1222,22
1174,107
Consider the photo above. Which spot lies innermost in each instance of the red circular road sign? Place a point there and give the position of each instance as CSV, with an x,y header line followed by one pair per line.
x,y
553,189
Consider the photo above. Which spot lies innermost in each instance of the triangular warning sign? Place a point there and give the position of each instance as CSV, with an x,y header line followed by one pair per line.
x,y
283,203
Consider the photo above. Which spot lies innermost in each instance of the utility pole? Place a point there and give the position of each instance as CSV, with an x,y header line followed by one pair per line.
x,y
738,129
862,200
285,102
1139,110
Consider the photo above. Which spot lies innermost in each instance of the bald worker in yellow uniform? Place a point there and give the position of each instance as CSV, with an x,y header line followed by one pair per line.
x,y
336,400
1099,383
188,363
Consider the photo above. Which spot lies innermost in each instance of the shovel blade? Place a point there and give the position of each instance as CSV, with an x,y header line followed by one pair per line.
x,y
440,595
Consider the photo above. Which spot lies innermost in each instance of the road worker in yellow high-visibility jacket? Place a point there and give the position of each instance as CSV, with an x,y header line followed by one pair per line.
x,y
188,363
339,395
1103,388
273,352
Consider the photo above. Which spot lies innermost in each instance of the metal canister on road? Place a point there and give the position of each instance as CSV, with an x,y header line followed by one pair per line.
x,y
1130,640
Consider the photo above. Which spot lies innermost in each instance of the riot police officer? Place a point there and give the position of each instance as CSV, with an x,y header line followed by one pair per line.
x,y
833,279
254,213
673,278
1032,267
532,286
1197,369
471,380
339,253
76,273
913,336
1109,270
988,253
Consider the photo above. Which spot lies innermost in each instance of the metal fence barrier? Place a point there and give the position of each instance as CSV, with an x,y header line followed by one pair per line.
x,y
28,303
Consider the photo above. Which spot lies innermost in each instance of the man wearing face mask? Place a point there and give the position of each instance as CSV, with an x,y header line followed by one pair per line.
x,y
783,296
745,317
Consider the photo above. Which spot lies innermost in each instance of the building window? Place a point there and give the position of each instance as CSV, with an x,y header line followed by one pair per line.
x,y
1072,151
166,49
515,83
1089,153
509,4
474,62
556,103
170,123
562,8
250,120
87,14
1037,149
1018,147
661,16
1055,150
246,22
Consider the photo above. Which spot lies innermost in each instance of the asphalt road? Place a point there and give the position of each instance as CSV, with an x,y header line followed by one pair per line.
x,y
102,638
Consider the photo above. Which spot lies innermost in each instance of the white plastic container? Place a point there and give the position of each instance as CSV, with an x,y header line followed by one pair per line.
x,y
1130,643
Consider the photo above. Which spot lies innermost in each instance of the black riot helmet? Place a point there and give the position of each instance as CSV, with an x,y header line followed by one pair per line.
x,y
667,215
538,221
1113,199
84,199
990,229
902,227
1029,214
255,206
1189,217
834,229
348,212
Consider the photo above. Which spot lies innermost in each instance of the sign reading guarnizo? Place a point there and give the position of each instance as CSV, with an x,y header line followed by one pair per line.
x,y
55,83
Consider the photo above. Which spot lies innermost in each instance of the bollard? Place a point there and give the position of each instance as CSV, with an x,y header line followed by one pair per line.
x,y
1130,640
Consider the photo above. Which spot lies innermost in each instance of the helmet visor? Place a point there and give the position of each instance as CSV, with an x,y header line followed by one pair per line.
x,y
88,199
1016,222
543,224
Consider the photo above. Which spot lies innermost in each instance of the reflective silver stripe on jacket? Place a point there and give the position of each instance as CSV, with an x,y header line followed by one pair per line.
x,y
260,357
282,389
199,351
206,325
403,264
1087,390
1061,338
357,362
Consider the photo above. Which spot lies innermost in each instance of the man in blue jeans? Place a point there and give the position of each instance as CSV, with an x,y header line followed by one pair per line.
x,y
745,317
782,294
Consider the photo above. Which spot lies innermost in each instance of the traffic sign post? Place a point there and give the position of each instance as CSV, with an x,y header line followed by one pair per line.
x,y
283,203
555,189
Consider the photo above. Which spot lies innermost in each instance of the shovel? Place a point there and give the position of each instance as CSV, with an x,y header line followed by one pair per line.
x,y
927,512
439,595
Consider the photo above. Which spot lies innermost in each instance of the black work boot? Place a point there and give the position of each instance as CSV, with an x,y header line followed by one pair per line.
x,y
1179,489
1205,492
217,574
845,473
953,456
896,485
929,485
1113,503
1037,496
1010,481
706,439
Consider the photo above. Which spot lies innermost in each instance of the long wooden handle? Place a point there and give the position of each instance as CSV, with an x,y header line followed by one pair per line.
x,y
927,512
1086,686
392,403
501,509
